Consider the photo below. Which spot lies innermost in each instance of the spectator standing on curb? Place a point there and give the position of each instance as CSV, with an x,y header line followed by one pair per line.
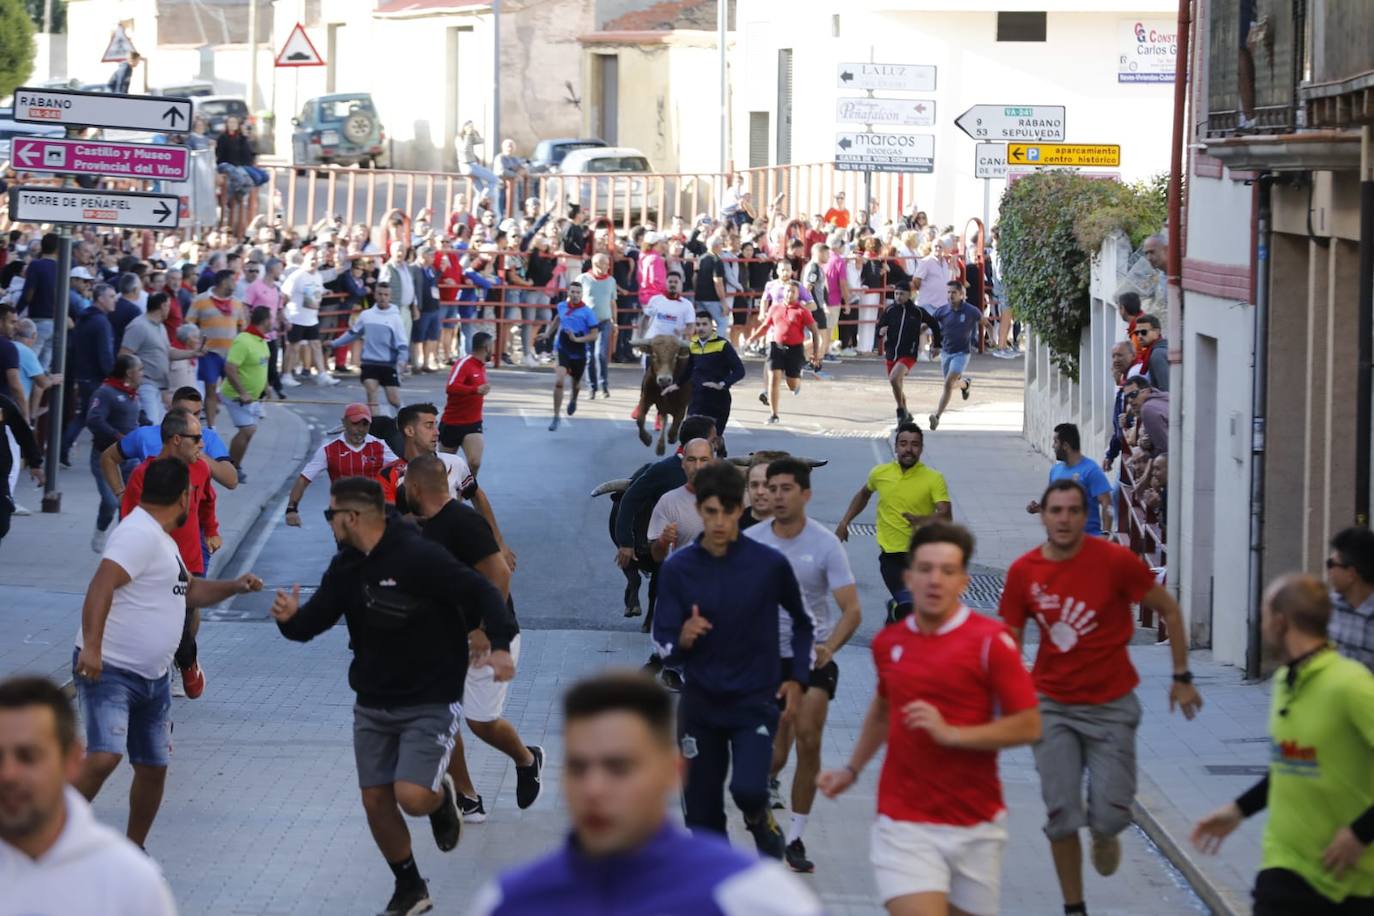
x,y
1071,464
1350,574
132,619
54,855
1320,786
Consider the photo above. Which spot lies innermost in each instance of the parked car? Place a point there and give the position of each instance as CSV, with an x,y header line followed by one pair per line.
x,y
614,168
216,109
187,90
549,154
10,128
342,129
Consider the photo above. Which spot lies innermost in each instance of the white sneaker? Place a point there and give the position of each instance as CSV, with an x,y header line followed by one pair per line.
x,y
177,689
530,361
21,511
289,381
98,540
326,380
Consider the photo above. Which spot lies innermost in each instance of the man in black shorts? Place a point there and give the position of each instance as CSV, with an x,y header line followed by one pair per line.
x,y
787,324
576,326
385,344
461,424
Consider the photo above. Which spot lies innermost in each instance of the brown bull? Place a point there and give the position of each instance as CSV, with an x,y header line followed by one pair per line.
x,y
667,357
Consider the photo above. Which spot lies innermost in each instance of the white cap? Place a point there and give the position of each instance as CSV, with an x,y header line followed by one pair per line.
x,y
81,273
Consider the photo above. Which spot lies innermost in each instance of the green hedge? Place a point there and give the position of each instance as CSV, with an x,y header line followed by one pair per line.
x,y
16,46
1051,225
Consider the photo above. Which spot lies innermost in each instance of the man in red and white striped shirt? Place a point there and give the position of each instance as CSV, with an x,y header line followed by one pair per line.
x,y
354,454
461,424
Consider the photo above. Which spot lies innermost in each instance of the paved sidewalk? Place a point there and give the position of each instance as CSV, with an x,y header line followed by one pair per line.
x,y
46,561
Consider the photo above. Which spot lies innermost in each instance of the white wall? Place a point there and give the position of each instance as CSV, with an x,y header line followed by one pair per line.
x,y
1076,67
1212,532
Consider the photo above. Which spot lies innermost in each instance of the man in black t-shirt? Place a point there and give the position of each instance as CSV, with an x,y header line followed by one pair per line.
x,y
710,285
466,535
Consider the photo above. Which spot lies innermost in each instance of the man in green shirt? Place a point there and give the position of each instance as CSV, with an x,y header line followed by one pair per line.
x,y
1320,787
909,495
245,379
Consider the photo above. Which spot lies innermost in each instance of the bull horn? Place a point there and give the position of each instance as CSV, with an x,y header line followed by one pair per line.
x,y
612,486
738,462
638,342
814,462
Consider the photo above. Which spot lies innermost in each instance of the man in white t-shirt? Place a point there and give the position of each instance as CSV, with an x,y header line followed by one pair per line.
x,y
54,856
822,569
303,292
669,313
131,623
675,521
931,284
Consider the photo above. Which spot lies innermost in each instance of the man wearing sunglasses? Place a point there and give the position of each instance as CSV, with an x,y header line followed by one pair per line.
x,y
1153,350
1350,576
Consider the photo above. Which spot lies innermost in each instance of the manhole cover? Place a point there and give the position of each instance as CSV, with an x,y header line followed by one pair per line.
x,y
984,591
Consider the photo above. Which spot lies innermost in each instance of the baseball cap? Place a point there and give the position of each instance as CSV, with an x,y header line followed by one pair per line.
x,y
357,411
81,273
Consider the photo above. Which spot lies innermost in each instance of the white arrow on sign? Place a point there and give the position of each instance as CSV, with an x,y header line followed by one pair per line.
x,y
1013,122
878,152
102,109
889,77
130,209
894,112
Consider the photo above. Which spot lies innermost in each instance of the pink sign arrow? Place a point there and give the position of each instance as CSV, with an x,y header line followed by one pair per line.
x,y
99,157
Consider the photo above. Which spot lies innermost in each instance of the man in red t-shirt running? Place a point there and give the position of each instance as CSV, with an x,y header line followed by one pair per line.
x,y
788,322
1079,590
461,424
952,692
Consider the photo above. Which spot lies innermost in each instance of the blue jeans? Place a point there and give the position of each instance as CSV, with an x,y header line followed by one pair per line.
x,y
717,312
484,181
537,314
150,400
109,503
84,389
126,712
601,354
44,343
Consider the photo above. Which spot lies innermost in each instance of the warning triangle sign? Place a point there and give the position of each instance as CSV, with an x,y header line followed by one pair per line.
x,y
119,49
298,51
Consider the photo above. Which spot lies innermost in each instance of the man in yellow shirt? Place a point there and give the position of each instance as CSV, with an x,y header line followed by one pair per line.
x,y
910,494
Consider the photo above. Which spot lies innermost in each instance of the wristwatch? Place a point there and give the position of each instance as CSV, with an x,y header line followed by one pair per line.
x,y
292,507
1185,678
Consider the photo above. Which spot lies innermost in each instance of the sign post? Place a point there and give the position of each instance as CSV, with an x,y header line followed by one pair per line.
x,y
868,150
52,497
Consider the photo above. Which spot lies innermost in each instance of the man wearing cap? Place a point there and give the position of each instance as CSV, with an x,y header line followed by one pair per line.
x,y
353,454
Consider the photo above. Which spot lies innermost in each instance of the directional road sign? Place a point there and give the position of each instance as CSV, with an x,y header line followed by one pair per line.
x,y
1073,154
1013,122
894,112
98,157
130,209
876,152
990,160
887,77
101,109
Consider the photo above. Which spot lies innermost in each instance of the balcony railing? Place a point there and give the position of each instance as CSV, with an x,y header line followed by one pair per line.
x,y
1340,92
1255,67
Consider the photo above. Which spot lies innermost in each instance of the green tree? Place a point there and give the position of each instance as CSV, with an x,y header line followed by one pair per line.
x,y
1052,224
16,46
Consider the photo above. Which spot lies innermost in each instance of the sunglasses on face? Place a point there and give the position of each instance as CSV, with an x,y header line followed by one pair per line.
x,y
194,438
1336,564
1141,333
330,513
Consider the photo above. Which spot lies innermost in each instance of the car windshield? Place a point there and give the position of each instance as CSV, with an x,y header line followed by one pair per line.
x,y
220,109
616,164
338,109
560,151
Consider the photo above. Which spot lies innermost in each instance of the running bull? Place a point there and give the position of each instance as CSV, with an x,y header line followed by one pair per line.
x,y
666,387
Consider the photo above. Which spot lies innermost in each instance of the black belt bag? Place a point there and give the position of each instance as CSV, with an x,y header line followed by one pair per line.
x,y
390,609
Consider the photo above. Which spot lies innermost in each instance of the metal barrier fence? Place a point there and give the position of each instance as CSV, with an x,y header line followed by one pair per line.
x,y
307,195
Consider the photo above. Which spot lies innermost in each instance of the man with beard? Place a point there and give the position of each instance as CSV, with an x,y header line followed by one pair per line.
x,y
1071,464
354,454
97,870
132,620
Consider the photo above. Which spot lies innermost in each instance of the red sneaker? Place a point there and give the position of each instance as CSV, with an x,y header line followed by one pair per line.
x,y
658,422
193,681
634,414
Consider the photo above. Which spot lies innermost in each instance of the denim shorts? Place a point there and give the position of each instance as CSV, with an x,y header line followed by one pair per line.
x,y
124,711
951,363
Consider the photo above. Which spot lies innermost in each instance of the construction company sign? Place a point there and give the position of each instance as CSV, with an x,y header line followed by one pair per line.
x,y
1148,50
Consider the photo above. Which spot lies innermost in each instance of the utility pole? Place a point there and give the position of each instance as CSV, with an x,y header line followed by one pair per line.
x,y
252,55
721,14
494,141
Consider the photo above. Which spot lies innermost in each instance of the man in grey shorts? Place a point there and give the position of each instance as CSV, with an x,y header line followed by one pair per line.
x,y
414,615
1079,591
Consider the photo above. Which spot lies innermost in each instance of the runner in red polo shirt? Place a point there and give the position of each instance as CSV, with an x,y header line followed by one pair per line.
x,y
354,454
461,424
952,692
787,323
1079,590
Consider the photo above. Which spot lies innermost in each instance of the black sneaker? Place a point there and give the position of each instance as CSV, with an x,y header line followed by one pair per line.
x,y
775,795
654,665
65,460
795,856
763,398
409,900
527,783
963,391
767,837
474,812
572,405
446,822
671,680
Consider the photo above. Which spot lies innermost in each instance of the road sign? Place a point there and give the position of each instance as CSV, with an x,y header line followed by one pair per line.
x,y
130,209
1013,122
101,109
98,157
877,152
990,160
892,112
1073,154
119,48
887,77
299,51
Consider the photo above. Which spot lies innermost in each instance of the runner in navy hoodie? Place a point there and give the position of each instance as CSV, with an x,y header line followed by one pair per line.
x,y
624,855
717,622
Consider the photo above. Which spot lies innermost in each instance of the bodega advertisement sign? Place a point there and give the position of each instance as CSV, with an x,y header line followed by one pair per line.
x,y
1148,50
